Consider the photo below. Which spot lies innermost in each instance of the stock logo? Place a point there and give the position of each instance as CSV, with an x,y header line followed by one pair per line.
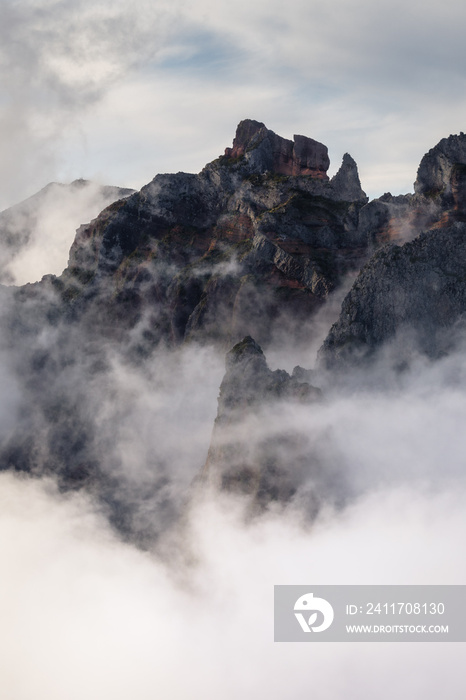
x,y
308,604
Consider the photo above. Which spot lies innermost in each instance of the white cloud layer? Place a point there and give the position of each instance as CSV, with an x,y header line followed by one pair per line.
x,y
84,615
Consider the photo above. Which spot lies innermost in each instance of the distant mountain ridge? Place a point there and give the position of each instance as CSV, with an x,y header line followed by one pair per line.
x,y
30,222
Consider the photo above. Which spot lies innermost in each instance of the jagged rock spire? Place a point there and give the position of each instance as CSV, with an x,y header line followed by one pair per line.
x,y
265,150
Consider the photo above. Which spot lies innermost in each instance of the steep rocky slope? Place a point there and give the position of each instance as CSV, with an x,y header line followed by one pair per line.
x,y
252,244
260,233
248,248
415,294
243,459
412,295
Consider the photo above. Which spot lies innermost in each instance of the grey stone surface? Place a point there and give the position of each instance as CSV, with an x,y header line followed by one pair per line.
x,y
416,291
240,459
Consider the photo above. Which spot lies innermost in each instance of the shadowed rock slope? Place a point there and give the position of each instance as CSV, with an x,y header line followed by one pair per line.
x,y
414,295
261,234
243,456
410,296
251,245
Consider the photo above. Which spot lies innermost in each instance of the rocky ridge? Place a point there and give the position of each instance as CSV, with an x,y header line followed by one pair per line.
x,y
238,459
412,295
238,249
224,253
251,245
264,151
439,197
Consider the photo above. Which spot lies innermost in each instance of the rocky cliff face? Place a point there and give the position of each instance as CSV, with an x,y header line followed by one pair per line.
x,y
241,458
252,244
439,197
261,232
264,151
415,293
411,295
257,239
438,169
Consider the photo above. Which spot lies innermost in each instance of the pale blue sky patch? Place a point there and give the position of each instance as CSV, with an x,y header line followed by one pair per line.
x,y
203,54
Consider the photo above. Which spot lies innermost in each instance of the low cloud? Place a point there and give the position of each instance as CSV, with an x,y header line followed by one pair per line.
x,y
36,235
85,615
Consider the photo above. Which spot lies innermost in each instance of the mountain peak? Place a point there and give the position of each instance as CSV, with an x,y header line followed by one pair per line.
x,y
438,170
264,150
346,181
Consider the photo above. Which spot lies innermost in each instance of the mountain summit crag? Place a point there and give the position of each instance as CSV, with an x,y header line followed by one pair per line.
x,y
264,151
259,234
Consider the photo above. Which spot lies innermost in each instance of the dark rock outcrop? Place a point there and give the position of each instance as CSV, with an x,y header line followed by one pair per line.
x,y
264,151
259,237
415,294
258,233
439,198
346,184
437,168
241,458
235,250
249,381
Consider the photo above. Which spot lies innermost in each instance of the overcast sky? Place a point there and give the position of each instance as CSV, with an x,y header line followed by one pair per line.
x,y
120,91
